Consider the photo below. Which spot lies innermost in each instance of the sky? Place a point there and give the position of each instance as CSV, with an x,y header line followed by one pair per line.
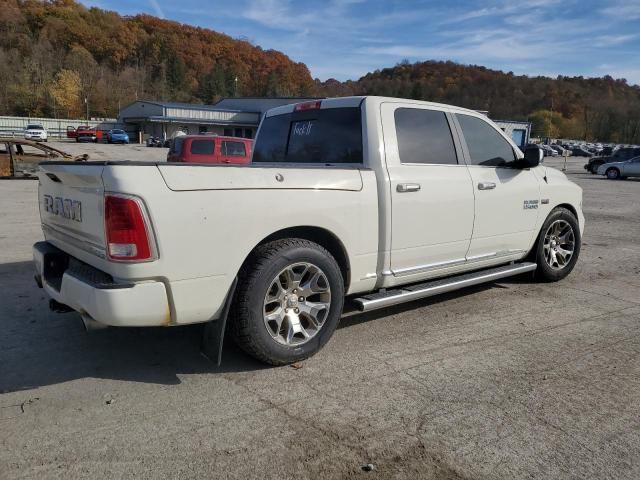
x,y
345,39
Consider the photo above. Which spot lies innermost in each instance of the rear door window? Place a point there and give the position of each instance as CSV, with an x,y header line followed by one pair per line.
x,y
233,149
202,147
424,136
329,136
486,146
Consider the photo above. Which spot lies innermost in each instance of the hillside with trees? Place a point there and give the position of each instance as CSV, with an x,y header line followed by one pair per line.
x,y
567,107
54,54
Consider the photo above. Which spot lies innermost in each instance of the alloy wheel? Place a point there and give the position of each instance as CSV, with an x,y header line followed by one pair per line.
x,y
297,304
559,244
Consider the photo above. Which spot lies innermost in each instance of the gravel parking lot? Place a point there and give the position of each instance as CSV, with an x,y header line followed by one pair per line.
x,y
105,151
510,380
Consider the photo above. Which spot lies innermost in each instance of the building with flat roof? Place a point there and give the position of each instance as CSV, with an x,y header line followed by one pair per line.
x,y
237,117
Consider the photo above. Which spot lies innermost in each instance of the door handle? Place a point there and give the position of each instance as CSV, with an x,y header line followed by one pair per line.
x,y
486,186
408,187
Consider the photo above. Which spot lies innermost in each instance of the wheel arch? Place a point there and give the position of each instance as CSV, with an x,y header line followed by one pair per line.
x,y
319,235
566,206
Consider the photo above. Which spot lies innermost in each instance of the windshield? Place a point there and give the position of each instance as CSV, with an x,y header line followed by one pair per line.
x,y
118,132
328,136
34,127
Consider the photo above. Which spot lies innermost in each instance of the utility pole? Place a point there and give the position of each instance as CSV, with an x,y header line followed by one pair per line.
x,y
235,86
86,101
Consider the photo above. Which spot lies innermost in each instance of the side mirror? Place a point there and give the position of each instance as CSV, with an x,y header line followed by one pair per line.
x,y
533,156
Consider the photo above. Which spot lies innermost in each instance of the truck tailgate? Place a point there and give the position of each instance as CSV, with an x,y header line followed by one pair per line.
x,y
71,200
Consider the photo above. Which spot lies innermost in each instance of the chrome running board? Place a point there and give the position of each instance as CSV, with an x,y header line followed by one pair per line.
x,y
409,293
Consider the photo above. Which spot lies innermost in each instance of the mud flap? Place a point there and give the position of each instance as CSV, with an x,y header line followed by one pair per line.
x,y
213,333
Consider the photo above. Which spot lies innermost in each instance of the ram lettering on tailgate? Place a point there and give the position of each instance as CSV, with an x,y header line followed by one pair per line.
x,y
63,207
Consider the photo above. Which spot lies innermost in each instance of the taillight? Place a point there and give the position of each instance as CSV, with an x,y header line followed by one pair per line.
x,y
301,107
126,229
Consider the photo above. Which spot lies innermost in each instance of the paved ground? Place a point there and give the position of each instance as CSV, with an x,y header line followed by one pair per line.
x,y
513,380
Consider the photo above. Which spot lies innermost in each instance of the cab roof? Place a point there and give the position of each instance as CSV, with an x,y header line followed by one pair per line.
x,y
371,101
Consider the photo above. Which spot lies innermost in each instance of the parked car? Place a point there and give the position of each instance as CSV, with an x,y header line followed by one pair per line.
x,y
71,132
548,151
117,136
580,152
558,149
86,134
618,155
210,149
620,170
36,132
20,158
606,151
345,196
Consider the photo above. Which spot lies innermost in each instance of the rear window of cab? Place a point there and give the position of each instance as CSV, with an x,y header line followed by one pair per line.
x,y
322,136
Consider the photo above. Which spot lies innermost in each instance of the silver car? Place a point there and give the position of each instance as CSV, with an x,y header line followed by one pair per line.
x,y
616,170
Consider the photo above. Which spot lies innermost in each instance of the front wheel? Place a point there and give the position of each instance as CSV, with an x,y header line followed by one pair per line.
x,y
288,303
613,174
558,246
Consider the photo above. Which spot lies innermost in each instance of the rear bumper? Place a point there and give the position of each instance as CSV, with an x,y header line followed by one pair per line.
x,y
95,294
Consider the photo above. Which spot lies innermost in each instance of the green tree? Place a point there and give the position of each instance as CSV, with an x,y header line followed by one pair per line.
x,y
546,123
175,74
218,82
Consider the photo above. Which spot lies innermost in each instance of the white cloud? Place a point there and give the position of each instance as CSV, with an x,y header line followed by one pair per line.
x,y
624,10
611,40
156,8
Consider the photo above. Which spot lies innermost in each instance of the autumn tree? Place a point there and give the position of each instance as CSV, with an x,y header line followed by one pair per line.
x,y
66,90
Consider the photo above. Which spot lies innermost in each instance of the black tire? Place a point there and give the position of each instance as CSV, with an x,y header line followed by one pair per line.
x,y
247,325
545,272
612,173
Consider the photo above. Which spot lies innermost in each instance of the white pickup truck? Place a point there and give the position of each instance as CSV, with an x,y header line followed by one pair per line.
x,y
377,200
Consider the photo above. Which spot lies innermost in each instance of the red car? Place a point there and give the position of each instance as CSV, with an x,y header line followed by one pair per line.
x,y
210,149
86,134
71,132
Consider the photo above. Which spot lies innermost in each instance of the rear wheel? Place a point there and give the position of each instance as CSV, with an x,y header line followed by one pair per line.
x,y
613,173
558,246
289,301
